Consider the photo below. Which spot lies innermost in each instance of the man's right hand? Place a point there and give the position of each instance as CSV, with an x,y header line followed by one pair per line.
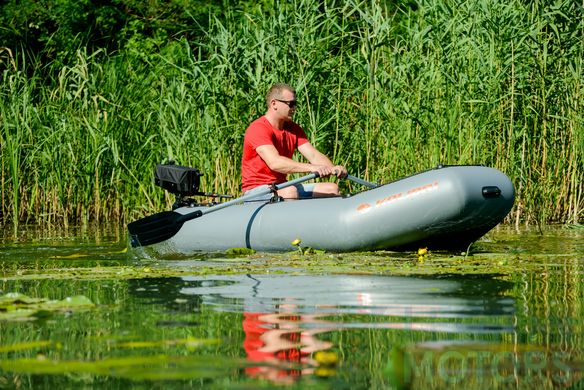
x,y
340,171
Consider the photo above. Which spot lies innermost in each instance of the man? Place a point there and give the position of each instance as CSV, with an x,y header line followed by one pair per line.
x,y
269,144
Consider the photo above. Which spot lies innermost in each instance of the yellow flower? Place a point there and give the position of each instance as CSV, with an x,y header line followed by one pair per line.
x,y
326,358
325,371
422,251
296,242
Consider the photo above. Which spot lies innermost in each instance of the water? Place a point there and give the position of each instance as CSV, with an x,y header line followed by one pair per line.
x,y
509,314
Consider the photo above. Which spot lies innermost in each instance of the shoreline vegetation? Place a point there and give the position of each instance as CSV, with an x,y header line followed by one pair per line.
x,y
385,88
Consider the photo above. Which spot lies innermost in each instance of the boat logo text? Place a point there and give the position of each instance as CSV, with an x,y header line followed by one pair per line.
x,y
365,207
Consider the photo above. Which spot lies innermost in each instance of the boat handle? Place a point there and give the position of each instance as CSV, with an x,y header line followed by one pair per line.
x,y
491,192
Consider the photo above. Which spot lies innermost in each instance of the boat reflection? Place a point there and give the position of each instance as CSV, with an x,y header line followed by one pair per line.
x,y
408,298
288,320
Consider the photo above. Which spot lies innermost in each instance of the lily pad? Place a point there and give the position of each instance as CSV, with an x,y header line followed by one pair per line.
x,y
20,307
14,298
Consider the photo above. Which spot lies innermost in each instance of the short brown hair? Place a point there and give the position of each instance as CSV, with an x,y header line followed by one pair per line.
x,y
276,90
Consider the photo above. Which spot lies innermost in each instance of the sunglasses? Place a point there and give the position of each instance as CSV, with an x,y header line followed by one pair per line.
x,y
289,103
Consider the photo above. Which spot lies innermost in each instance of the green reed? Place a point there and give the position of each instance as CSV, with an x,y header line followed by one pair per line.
x,y
385,91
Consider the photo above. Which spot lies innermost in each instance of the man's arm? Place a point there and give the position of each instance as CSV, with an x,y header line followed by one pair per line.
x,y
318,162
279,163
316,157
313,155
286,165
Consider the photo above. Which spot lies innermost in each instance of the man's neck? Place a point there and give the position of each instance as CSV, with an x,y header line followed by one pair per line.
x,y
276,122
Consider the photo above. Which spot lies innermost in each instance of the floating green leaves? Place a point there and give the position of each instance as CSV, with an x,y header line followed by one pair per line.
x,y
240,252
156,367
189,342
305,260
24,346
20,307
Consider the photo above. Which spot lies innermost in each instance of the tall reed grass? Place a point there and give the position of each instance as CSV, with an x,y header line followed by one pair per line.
x,y
384,91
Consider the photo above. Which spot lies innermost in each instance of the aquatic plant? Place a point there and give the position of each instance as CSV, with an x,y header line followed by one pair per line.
x,y
19,307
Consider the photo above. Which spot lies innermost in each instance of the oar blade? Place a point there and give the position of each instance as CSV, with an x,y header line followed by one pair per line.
x,y
154,228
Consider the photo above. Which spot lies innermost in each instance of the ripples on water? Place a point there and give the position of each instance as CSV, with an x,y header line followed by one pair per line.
x,y
522,329
410,303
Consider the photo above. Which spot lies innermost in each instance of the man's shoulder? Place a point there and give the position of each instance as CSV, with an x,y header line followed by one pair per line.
x,y
260,122
258,131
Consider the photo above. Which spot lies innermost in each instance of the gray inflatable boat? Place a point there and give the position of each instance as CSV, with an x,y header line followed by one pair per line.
x,y
448,207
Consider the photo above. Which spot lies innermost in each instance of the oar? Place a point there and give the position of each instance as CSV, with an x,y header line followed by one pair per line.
x,y
162,226
362,182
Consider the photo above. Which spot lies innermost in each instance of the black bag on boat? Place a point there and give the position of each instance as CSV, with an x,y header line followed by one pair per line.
x,y
178,180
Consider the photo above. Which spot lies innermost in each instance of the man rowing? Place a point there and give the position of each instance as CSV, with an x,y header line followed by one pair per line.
x,y
269,144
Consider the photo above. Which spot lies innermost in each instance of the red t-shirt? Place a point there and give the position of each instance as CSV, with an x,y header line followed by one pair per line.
x,y
254,171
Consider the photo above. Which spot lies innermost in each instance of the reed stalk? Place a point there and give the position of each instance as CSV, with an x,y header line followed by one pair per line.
x,y
386,90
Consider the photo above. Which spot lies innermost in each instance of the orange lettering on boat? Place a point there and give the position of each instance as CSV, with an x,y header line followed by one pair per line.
x,y
388,199
363,206
423,188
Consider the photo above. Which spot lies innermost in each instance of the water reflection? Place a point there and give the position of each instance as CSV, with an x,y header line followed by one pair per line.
x,y
288,319
166,292
278,345
520,329
424,301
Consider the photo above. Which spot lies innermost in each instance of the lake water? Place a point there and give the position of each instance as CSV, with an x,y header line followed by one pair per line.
x,y
79,310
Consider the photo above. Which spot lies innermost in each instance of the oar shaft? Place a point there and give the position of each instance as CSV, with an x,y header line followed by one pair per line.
x,y
257,194
361,181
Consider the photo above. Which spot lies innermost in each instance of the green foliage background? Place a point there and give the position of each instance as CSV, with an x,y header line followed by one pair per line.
x,y
94,94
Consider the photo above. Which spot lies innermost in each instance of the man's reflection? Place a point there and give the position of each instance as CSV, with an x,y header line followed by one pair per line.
x,y
281,344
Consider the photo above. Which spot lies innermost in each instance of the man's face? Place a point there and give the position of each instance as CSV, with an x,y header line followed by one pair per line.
x,y
286,104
